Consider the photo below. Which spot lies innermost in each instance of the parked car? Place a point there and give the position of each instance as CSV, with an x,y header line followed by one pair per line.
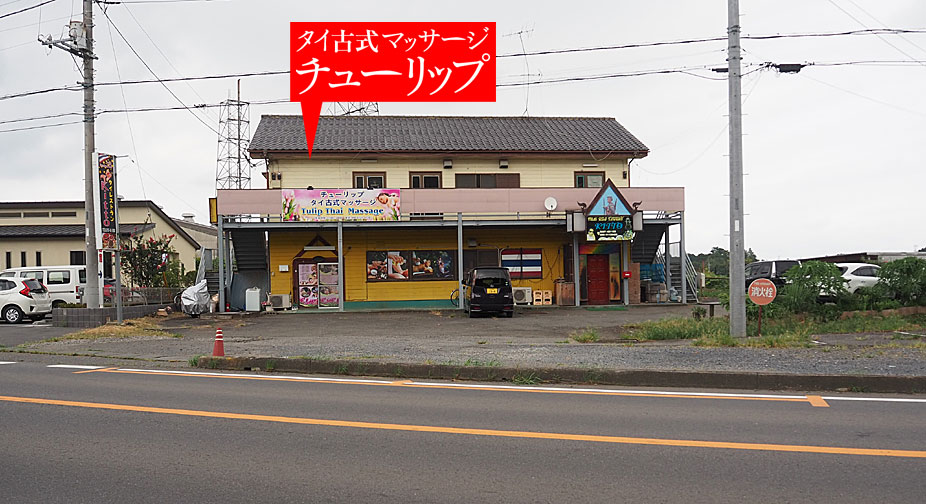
x,y
63,282
488,290
859,275
22,298
772,270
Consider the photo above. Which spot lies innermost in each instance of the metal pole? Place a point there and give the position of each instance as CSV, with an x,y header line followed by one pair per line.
x,y
684,255
459,261
667,261
737,253
92,290
575,267
340,265
221,253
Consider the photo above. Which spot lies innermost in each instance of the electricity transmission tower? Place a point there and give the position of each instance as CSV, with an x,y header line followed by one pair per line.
x,y
353,108
234,166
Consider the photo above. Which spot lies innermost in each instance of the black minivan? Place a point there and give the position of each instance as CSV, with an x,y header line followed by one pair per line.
x,y
488,290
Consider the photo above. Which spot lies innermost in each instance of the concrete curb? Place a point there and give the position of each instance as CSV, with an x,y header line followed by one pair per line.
x,y
632,378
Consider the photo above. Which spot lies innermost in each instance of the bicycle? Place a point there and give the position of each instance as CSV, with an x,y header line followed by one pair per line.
x,y
455,297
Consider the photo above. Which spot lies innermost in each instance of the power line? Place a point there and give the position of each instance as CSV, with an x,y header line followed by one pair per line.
x,y
886,41
40,127
36,6
158,79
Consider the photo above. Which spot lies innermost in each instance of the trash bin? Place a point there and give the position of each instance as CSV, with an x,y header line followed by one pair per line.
x,y
252,299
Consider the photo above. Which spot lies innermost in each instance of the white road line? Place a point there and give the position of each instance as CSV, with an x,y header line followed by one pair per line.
x,y
873,399
247,375
7,362
611,391
73,366
508,387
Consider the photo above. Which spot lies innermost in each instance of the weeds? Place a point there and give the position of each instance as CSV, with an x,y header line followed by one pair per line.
x,y
525,379
270,365
194,360
479,363
588,335
145,326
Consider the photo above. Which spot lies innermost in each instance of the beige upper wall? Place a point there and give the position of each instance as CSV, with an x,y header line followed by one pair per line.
x,y
56,251
535,171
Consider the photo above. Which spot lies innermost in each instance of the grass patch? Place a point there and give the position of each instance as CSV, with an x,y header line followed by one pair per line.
x,y
145,326
194,360
525,379
792,331
587,335
606,308
270,365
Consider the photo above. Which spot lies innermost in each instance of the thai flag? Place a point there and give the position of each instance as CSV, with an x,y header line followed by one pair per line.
x,y
523,262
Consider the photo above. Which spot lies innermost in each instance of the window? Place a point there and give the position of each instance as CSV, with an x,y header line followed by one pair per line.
x,y
589,179
22,258
9,260
38,275
10,215
369,180
424,180
6,285
38,257
35,214
82,275
59,277
866,271
64,214
488,180
78,257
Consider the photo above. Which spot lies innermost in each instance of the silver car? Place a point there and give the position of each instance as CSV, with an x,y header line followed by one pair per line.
x,y
22,298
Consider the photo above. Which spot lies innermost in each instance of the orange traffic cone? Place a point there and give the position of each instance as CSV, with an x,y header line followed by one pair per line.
x,y
218,349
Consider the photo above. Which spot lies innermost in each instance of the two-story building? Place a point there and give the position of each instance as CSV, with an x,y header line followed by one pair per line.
x,y
53,233
451,193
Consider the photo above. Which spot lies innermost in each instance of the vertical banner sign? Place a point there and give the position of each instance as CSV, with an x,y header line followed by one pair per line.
x,y
389,62
105,192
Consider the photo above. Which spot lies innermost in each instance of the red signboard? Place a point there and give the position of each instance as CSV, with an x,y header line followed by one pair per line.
x,y
389,62
762,291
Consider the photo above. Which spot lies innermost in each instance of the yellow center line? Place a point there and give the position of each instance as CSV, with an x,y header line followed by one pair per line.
x,y
687,443
101,370
408,383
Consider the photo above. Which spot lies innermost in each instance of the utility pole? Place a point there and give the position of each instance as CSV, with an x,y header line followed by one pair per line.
x,y
737,252
80,43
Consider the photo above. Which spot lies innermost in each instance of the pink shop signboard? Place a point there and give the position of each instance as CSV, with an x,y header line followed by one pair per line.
x,y
341,204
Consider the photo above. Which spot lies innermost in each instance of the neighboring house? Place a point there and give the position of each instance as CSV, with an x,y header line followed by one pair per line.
x,y
52,233
474,187
204,234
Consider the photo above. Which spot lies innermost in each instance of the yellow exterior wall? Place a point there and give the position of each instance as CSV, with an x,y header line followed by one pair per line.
x,y
284,246
536,171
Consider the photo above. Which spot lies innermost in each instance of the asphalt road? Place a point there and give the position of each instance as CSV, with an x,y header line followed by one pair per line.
x,y
117,435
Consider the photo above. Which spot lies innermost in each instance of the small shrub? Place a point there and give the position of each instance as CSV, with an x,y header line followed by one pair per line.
x,y
588,335
698,312
194,361
904,280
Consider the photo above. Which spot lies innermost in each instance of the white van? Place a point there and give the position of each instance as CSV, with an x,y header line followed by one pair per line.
x,y
63,282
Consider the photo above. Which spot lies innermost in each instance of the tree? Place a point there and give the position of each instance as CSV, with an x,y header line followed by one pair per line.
x,y
147,262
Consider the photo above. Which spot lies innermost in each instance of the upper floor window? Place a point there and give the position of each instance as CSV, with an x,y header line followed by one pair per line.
x,y
369,180
589,179
424,180
488,180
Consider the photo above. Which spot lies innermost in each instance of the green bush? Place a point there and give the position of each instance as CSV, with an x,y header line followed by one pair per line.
x,y
904,281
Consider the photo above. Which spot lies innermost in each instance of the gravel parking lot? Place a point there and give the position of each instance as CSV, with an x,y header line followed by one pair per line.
x,y
533,338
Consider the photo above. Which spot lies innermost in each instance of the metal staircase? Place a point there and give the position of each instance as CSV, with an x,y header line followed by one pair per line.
x,y
675,275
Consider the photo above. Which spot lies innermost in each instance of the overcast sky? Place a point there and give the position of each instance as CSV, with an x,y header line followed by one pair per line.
x,y
834,155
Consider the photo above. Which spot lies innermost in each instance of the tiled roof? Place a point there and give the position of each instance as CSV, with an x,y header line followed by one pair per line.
x,y
63,230
446,134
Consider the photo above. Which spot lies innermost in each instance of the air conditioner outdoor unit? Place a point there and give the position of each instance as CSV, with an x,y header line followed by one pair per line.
x,y
280,301
522,295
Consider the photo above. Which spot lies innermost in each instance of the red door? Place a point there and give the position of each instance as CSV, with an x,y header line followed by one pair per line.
x,y
598,279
